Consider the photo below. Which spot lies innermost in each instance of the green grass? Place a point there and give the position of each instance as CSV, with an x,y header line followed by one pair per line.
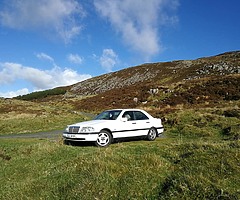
x,y
203,123
204,170
168,168
197,159
18,117
41,169
37,124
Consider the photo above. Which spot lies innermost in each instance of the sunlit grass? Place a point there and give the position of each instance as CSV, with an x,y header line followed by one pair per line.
x,y
28,117
196,159
165,168
37,124
57,171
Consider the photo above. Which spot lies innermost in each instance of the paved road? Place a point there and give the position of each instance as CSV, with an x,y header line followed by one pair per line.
x,y
40,135
49,134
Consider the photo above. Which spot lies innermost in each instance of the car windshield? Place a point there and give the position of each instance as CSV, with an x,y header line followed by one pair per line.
x,y
108,115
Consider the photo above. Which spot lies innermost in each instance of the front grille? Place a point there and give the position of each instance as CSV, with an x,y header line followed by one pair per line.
x,y
74,129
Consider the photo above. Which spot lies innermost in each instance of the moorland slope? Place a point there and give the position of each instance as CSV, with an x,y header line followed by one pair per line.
x,y
207,80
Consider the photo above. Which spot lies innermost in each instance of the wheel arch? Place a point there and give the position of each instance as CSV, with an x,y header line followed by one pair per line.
x,y
106,140
153,128
108,130
152,134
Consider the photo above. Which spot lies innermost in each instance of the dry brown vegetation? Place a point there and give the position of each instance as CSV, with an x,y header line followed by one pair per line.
x,y
203,81
160,88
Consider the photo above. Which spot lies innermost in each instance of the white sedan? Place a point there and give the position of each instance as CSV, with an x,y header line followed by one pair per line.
x,y
115,124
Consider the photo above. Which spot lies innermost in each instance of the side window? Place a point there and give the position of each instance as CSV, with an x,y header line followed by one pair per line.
x,y
114,114
128,115
140,116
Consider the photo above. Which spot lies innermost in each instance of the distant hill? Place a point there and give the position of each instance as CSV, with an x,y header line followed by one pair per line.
x,y
165,73
201,81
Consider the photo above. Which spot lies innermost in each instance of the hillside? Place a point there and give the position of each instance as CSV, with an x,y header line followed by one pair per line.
x,y
158,85
160,73
204,80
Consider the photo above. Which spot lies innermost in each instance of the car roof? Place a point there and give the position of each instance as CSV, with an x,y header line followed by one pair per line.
x,y
126,109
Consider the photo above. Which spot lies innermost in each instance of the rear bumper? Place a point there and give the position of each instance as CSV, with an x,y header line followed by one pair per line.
x,y
160,130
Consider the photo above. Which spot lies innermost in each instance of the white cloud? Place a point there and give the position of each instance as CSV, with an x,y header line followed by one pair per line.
x,y
108,59
138,21
43,56
39,79
14,93
75,58
52,16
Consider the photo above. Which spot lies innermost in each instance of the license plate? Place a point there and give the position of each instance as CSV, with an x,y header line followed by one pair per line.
x,y
71,135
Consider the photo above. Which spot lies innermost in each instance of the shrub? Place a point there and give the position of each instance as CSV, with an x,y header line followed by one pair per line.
x,y
42,94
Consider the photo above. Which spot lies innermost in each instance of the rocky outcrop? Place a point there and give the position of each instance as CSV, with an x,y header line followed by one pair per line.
x,y
165,72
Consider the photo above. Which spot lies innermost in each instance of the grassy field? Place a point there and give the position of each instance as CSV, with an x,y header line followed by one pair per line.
x,y
198,158
18,117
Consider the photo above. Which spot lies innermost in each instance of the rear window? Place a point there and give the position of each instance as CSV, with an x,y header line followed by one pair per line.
x,y
140,116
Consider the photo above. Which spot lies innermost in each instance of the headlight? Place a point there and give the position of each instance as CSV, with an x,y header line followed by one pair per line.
x,y
87,129
67,130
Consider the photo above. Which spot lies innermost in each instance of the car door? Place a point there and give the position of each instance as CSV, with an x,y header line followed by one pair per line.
x,y
137,124
142,123
127,126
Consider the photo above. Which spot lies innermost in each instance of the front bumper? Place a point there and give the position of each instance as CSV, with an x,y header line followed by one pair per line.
x,y
80,136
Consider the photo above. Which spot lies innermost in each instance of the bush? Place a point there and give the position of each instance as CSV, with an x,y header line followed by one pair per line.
x,y
42,94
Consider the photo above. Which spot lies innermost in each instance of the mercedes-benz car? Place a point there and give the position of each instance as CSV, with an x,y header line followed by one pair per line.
x,y
115,124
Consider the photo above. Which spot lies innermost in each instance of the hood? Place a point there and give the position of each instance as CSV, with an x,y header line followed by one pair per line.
x,y
90,123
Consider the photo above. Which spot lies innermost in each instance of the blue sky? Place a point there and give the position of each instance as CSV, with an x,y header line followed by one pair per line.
x,y
50,43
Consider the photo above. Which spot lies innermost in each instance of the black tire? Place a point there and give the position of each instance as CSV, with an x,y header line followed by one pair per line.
x,y
152,134
66,142
104,139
